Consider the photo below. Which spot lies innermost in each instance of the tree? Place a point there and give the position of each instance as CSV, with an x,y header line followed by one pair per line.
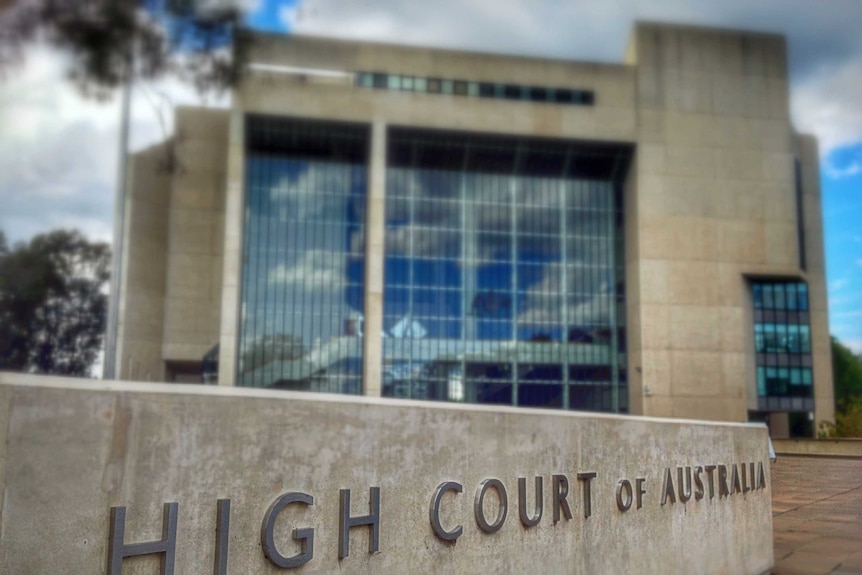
x,y
110,41
52,304
848,421
847,373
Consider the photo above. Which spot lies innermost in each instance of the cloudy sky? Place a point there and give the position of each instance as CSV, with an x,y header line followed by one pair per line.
x,y
58,151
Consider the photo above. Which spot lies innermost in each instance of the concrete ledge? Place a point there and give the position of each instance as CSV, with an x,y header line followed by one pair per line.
x,y
819,447
95,467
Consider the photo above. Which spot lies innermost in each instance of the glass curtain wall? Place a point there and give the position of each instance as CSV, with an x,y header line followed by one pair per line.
x,y
303,255
783,344
504,271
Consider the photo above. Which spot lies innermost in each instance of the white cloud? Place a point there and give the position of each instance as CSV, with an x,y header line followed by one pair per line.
x,y
824,42
826,104
59,150
314,270
838,173
838,284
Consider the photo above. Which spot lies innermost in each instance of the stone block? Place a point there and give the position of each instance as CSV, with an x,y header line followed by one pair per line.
x,y
781,244
654,281
696,198
692,283
742,241
191,232
779,168
695,328
735,331
739,164
655,327
697,374
689,161
738,380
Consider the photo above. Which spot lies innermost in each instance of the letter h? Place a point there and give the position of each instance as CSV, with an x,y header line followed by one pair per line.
x,y
119,550
347,522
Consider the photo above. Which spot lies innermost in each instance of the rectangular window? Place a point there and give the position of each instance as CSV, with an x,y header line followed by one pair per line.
x,y
800,214
782,345
303,257
500,270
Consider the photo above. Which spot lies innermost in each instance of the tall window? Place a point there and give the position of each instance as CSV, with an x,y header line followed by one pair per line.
x,y
503,274
303,255
783,345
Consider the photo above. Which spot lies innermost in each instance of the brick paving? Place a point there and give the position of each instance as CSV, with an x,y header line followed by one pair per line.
x,y
817,515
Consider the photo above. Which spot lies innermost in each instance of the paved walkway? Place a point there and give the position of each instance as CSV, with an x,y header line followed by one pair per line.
x,y
817,515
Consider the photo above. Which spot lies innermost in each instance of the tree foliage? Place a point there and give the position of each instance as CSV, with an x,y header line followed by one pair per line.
x,y
109,41
847,374
52,304
848,421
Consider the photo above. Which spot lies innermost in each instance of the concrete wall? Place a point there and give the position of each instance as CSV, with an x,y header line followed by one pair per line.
x,y
171,297
819,447
715,205
195,235
75,448
141,310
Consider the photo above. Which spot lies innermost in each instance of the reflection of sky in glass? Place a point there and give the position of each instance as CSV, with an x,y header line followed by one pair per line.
x,y
302,274
504,279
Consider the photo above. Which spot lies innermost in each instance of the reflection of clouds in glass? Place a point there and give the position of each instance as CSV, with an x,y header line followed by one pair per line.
x,y
319,192
425,242
545,305
314,270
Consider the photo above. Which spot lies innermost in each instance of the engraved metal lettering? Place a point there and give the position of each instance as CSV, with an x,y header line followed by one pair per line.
x,y
624,501
560,485
305,537
478,506
709,469
522,502
722,481
585,479
684,493
118,549
734,480
639,486
222,536
698,483
667,491
434,511
347,522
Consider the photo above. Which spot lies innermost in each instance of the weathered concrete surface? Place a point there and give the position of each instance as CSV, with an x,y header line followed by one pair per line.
x,y
75,448
817,507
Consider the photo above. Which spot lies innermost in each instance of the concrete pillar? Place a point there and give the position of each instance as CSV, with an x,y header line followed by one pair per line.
x,y
375,225
232,271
